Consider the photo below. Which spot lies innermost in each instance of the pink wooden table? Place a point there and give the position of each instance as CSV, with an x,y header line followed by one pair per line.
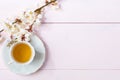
x,y
82,40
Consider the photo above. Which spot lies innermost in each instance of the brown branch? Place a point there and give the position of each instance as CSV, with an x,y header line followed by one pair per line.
x,y
38,11
2,30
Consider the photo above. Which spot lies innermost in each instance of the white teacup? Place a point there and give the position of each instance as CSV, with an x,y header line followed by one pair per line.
x,y
22,52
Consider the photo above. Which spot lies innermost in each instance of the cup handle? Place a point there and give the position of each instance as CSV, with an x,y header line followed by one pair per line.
x,y
10,62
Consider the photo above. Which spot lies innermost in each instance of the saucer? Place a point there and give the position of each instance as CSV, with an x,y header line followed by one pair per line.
x,y
34,65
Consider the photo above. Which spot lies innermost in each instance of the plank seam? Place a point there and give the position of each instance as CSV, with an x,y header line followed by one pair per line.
x,y
80,22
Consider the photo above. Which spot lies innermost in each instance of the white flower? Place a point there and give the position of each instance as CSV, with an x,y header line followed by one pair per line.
x,y
15,29
55,7
29,17
40,16
27,37
21,27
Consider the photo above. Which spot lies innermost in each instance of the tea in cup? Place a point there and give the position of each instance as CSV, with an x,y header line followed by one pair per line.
x,y
22,52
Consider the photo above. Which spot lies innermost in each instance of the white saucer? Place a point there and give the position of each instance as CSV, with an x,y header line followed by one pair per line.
x,y
34,65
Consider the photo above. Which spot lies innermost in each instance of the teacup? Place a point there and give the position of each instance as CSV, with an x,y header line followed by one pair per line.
x,y
22,52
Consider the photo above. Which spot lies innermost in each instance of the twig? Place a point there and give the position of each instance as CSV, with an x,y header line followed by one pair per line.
x,y
38,11
1,30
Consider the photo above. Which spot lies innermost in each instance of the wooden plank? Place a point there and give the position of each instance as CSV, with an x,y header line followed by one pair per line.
x,y
63,75
86,11
71,11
